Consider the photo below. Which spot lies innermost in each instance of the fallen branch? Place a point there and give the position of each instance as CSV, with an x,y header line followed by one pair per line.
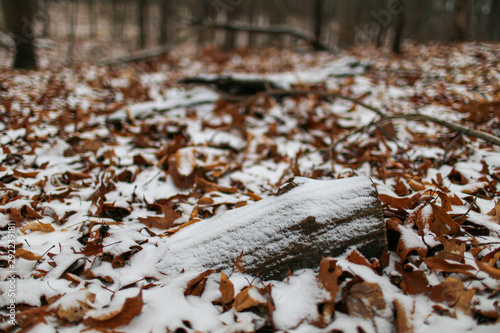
x,y
147,53
276,30
413,116
140,55
456,127
228,85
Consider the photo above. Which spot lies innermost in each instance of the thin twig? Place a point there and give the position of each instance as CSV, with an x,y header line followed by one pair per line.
x,y
413,116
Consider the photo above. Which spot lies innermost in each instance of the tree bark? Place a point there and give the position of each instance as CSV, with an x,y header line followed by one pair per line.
x,y
46,18
493,28
273,30
318,23
204,12
164,12
141,22
230,37
91,12
73,21
19,18
460,21
347,30
118,18
398,29
305,221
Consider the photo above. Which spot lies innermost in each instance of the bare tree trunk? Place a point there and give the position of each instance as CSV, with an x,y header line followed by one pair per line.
x,y
255,12
347,12
494,21
398,28
141,22
379,4
19,18
318,23
276,18
164,12
204,10
460,21
118,18
70,55
230,37
46,19
92,13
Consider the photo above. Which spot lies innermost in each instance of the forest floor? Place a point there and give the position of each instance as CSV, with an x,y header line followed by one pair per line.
x,y
101,165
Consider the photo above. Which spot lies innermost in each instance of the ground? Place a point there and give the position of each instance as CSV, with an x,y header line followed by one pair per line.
x,y
101,167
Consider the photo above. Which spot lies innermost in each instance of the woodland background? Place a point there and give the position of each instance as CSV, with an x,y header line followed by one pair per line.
x,y
88,25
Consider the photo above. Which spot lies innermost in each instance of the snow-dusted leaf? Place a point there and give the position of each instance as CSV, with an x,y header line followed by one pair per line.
x,y
495,213
131,307
248,298
162,222
226,289
196,286
25,254
37,226
365,300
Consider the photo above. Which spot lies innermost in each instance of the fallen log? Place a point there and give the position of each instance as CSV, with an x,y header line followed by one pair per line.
x,y
238,85
273,30
305,221
233,86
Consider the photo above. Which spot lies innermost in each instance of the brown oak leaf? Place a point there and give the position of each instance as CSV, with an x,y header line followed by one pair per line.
x,y
365,300
112,319
161,222
196,286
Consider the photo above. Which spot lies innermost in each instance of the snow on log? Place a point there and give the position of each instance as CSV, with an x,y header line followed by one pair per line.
x,y
305,220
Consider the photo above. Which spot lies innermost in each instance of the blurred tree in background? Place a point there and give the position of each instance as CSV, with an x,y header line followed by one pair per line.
x,y
143,24
19,21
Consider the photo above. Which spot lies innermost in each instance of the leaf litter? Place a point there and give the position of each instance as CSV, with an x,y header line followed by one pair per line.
x,y
99,168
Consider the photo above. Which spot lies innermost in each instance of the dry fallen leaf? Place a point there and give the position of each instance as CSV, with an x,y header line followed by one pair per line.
x,y
22,253
491,271
413,282
196,286
365,300
443,224
328,275
453,292
207,186
357,258
400,203
76,310
453,249
37,226
495,213
112,319
403,321
441,265
421,217
248,298
161,222
32,317
239,264
226,289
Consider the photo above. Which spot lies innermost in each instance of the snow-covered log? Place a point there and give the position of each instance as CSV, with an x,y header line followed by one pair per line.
x,y
305,220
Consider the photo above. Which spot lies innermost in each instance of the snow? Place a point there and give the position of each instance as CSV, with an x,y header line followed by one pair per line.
x,y
164,265
289,313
